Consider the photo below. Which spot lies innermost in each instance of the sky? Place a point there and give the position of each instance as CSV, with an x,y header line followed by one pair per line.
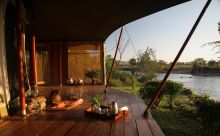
x,y
165,32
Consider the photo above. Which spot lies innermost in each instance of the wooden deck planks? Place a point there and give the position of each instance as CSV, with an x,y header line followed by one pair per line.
x,y
77,129
11,128
52,128
154,126
91,128
64,129
135,111
75,123
117,128
130,128
33,128
3,122
104,128
143,128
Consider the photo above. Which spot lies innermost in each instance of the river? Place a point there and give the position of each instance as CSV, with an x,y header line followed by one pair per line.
x,y
199,84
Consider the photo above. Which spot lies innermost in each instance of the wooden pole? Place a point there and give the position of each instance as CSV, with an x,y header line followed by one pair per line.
x,y
34,59
20,60
34,65
158,92
116,51
102,58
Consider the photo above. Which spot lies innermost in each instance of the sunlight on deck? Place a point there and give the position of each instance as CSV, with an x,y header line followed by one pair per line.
x,y
76,123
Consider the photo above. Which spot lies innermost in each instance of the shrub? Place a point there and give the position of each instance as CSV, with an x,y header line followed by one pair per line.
x,y
172,89
187,92
143,79
208,114
115,83
126,79
186,110
148,91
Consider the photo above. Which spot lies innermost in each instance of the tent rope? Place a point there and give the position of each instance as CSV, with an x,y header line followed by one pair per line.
x,y
116,51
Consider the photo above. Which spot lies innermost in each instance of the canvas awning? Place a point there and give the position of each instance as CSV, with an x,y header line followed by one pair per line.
x,y
91,20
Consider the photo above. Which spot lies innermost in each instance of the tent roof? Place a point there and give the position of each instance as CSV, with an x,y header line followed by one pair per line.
x,y
89,20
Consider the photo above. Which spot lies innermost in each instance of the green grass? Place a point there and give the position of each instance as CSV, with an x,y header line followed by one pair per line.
x,y
173,122
128,89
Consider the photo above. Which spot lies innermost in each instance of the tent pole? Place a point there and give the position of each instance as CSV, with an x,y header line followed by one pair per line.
x,y
20,60
159,90
34,66
116,51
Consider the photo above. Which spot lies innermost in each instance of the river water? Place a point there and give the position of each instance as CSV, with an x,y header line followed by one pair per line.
x,y
199,84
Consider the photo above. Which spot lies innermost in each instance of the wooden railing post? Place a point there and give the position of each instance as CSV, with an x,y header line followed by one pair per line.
x,y
19,24
34,66
159,90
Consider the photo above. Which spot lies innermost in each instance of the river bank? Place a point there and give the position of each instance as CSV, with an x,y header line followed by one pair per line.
x,y
201,71
199,84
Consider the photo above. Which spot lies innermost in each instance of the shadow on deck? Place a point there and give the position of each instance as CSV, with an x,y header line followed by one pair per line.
x,y
76,123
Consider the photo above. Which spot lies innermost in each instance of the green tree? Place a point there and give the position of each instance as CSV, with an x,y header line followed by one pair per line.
x,y
199,62
162,64
172,89
145,66
133,64
212,63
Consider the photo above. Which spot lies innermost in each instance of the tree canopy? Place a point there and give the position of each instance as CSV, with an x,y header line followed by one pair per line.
x,y
145,66
199,62
216,44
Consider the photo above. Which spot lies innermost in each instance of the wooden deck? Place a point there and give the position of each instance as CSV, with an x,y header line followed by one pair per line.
x,y
76,123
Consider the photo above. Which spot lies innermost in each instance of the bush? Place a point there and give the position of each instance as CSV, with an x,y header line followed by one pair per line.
x,y
146,77
208,114
143,79
170,88
115,83
148,91
187,92
126,79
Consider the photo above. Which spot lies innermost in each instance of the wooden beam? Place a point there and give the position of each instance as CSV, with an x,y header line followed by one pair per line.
x,y
19,24
34,65
158,92
34,59
116,51
102,59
